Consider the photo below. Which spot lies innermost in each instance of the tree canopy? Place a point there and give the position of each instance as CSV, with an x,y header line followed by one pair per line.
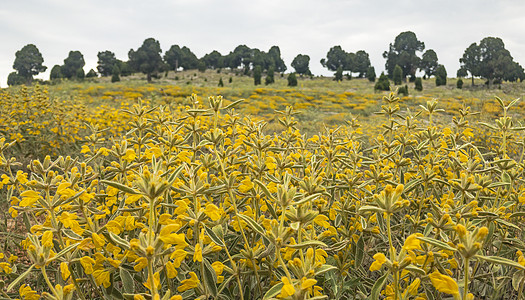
x,y
352,62
301,64
490,60
28,62
106,62
429,62
403,53
72,64
147,58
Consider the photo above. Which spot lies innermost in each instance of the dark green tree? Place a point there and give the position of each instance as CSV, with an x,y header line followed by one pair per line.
x,y
221,84
146,58
28,62
273,58
201,66
398,75
301,64
55,73
403,53
471,61
292,79
80,75
73,63
418,84
429,62
173,57
339,74
257,72
459,83
371,74
382,84
403,90
15,79
213,60
91,74
106,61
441,75
270,76
115,77
461,73
335,58
361,63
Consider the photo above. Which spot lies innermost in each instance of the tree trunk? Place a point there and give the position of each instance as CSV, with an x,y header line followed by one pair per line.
x,y
472,80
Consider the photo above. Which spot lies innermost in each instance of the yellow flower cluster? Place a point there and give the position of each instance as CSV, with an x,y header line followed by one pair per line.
x,y
200,202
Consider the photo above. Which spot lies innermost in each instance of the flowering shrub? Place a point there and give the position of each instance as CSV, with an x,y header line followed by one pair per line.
x,y
201,203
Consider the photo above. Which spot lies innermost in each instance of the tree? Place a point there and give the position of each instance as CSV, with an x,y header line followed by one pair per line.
x,y
490,60
361,63
301,64
459,83
418,84
292,79
115,73
106,61
221,84
15,79
270,76
257,75
429,62
28,62
273,58
382,84
461,73
213,60
403,53
91,74
56,72
441,75
371,74
339,74
335,58
398,75
73,62
147,58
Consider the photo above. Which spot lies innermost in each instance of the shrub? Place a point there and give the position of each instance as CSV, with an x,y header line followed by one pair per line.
x,y
221,84
257,75
397,77
441,75
459,83
292,79
382,84
371,74
338,74
418,84
403,90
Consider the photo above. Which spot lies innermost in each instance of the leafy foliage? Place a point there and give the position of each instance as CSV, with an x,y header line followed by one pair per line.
x,y
403,52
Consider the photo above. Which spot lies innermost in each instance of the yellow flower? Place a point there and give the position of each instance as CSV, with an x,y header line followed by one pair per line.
x,y
188,284
156,281
27,293
322,220
142,262
29,198
178,256
380,259
64,270
130,155
47,239
102,277
246,185
307,283
168,237
87,262
287,289
171,272
444,283
271,163
197,256
212,211
412,242
98,240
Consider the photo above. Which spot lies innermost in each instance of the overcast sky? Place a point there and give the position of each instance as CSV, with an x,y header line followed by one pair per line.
x,y
296,26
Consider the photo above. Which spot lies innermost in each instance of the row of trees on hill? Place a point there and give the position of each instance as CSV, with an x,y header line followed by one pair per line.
x,y
489,59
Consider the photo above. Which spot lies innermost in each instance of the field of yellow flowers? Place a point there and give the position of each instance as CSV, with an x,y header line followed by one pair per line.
x,y
195,198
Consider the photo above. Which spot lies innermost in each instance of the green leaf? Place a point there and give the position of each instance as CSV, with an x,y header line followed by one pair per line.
x,y
234,104
370,209
19,279
264,189
64,251
210,278
501,261
307,244
359,252
120,187
307,199
274,291
437,243
214,238
127,281
323,269
378,286
252,224
118,240
415,269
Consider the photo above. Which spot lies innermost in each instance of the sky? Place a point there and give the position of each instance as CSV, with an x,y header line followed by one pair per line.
x,y
296,26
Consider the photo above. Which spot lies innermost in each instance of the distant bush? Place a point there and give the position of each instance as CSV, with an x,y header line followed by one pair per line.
x,y
398,75
418,84
382,84
459,83
257,75
441,75
403,90
292,79
221,84
371,74
339,74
